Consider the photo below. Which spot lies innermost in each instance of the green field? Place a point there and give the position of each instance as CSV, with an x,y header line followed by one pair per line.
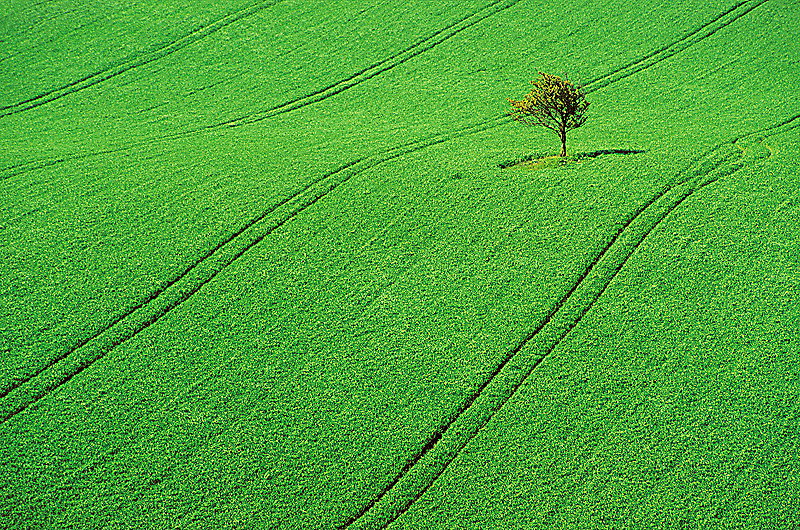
x,y
270,265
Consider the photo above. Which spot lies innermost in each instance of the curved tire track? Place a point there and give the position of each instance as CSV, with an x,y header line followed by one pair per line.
x,y
141,60
445,444
438,467
384,65
433,440
693,37
26,391
419,47
23,402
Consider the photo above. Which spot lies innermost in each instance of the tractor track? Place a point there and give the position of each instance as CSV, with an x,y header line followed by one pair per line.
x,y
136,61
378,68
180,288
431,443
442,429
392,501
389,154
109,453
384,65
691,38
161,289
652,58
364,304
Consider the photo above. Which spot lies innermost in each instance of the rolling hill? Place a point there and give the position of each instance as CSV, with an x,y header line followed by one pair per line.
x,y
269,265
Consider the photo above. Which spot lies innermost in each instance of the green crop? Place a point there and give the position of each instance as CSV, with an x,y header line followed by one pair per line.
x,y
289,264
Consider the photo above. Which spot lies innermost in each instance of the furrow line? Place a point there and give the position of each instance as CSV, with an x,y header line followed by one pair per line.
x,y
26,167
378,68
25,392
180,276
208,376
470,401
364,74
370,71
666,47
437,468
425,466
773,130
690,39
125,66
384,65
386,155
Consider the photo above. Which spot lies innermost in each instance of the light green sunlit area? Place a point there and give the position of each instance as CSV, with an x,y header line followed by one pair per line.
x,y
290,264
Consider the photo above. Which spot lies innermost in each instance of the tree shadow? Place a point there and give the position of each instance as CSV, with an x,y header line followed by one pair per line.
x,y
601,152
538,158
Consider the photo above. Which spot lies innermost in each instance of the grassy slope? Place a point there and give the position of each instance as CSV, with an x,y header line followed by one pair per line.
x,y
673,401
324,357
88,217
88,227
88,245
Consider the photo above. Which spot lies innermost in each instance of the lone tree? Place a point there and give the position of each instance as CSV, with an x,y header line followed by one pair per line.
x,y
554,103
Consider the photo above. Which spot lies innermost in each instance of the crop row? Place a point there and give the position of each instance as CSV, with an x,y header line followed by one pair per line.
x,y
419,473
423,45
175,291
135,61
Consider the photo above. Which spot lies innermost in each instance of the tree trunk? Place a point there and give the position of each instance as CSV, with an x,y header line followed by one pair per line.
x,y
563,135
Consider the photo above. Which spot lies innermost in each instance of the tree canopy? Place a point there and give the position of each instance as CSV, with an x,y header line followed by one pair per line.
x,y
553,103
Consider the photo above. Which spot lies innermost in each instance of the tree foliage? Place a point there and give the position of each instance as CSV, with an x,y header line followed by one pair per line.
x,y
554,103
